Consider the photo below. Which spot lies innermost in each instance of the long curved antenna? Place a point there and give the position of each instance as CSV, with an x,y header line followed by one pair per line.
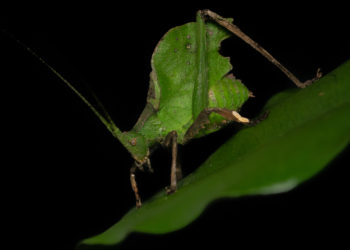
x,y
106,120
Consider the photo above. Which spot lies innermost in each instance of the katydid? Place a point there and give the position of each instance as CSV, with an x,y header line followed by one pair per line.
x,y
191,94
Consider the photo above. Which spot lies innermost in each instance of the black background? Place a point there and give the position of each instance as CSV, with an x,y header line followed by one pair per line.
x,y
67,178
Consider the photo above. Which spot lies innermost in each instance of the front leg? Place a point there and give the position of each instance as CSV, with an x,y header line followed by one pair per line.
x,y
133,182
171,138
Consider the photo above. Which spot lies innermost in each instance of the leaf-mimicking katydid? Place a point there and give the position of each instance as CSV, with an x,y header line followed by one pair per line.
x,y
191,92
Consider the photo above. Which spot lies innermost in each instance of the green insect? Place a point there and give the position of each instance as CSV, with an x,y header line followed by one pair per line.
x,y
191,94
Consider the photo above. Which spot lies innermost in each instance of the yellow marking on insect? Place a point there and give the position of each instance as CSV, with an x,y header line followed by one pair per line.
x,y
239,118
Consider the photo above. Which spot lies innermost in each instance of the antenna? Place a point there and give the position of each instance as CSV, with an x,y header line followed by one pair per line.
x,y
105,119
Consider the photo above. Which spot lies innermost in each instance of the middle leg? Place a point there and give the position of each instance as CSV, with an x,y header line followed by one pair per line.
x,y
171,140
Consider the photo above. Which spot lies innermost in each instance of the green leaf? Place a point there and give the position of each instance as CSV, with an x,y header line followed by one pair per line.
x,y
305,130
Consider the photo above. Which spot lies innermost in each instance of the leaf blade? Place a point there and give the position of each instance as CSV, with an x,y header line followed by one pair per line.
x,y
305,130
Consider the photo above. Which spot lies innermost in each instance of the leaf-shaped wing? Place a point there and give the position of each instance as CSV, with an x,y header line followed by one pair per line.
x,y
185,64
